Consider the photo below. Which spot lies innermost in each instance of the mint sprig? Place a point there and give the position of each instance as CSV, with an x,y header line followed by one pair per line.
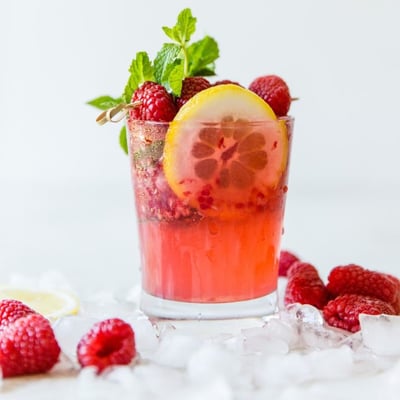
x,y
175,61
201,56
141,70
104,102
168,67
184,28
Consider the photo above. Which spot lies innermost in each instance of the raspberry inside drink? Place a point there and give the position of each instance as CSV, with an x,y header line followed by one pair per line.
x,y
194,255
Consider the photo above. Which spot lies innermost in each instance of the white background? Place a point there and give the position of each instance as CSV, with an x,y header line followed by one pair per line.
x,y
66,202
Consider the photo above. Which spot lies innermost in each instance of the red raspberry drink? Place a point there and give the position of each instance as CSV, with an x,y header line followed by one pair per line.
x,y
209,168
209,244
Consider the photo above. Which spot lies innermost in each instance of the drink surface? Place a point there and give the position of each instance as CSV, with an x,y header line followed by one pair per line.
x,y
194,256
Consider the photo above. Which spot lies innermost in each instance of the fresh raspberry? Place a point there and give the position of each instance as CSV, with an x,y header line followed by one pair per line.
x,y
305,286
28,346
109,342
343,311
357,280
226,82
156,103
300,268
286,259
190,86
274,91
396,281
11,310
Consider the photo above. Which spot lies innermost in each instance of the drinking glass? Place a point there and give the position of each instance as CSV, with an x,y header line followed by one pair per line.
x,y
201,259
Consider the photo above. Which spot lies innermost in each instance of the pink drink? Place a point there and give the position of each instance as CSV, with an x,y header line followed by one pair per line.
x,y
196,260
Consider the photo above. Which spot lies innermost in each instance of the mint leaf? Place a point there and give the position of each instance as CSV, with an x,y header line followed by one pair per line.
x,y
201,56
123,142
104,102
184,27
175,78
141,70
206,71
165,61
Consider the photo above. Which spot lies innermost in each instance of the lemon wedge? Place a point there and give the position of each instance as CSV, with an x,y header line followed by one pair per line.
x,y
225,151
52,304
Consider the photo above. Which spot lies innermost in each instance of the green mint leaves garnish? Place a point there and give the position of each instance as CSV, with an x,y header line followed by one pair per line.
x,y
174,62
104,102
169,68
202,55
123,140
184,28
179,59
141,70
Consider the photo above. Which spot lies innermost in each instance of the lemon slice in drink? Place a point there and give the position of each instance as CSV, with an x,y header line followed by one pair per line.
x,y
50,303
225,151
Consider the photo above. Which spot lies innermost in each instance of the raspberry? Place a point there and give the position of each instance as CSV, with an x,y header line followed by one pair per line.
x,y
305,286
286,259
11,310
357,280
343,311
300,268
226,82
109,342
274,91
396,303
190,86
28,346
156,103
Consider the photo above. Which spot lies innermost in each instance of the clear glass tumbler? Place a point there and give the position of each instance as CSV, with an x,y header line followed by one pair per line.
x,y
210,241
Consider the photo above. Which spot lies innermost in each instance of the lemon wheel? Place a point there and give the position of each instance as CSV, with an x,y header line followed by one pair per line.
x,y
225,151
52,304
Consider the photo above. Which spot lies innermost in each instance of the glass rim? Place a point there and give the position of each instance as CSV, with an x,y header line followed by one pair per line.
x,y
287,118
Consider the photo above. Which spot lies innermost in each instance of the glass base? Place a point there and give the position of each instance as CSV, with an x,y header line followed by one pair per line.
x,y
157,307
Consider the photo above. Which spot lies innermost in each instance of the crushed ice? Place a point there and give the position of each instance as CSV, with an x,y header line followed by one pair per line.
x,y
291,355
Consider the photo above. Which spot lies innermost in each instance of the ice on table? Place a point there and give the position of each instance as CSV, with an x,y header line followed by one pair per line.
x,y
293,355
68,331
381,334
175,350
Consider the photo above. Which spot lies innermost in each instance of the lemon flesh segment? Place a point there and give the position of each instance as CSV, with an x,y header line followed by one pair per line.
x,y
52,304
229,159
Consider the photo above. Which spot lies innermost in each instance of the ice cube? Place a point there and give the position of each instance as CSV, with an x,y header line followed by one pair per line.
x,y
298,368
175,349
69,331
123,377
321,336
115,382
281,370
93,387
233,343
265,345
333,363
304,313
158,380
381,333
280,329
213,360
269,339
145,334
